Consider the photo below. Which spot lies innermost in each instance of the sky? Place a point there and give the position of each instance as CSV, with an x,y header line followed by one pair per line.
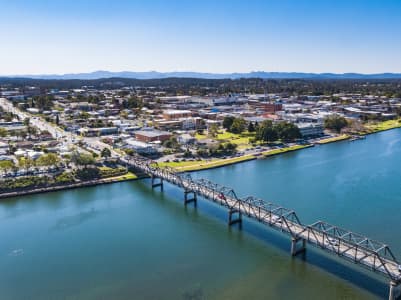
x,y
218,36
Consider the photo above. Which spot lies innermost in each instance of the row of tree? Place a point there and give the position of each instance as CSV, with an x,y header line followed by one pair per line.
x,y
200,86
234,125
46,160
335,123
268,131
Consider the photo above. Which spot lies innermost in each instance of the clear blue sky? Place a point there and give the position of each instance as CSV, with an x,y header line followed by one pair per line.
x,y
62,36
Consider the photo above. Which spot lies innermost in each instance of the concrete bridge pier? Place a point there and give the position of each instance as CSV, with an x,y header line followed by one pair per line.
x,y
234,216
295,248
190,199
395,292
157,181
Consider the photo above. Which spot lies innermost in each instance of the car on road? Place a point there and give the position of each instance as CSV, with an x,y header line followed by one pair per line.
x,y
276,219
333,242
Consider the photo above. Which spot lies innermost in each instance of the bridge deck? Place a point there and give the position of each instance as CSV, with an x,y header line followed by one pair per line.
x,y
353,247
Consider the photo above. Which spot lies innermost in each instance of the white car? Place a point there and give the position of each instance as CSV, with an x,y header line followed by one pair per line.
x,y
276,219
332,242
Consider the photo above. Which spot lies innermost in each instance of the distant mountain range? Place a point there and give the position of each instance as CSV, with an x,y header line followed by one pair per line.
x,y
256,74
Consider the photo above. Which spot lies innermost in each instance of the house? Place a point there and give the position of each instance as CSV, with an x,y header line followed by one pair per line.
x,y
192,123
176,114
167,124
32,110
97,131
24,145
3,148
267,107
185,139
34,154
152,135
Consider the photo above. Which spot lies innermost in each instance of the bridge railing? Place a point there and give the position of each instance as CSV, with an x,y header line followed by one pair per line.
x,y
352,246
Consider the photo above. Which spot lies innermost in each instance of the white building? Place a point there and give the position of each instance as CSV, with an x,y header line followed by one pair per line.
x,y
310,129
140,147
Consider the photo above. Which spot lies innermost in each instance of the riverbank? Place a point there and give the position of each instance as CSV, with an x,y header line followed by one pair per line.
x,y
382,126
198,165
191,166
284,150
334,139
126,177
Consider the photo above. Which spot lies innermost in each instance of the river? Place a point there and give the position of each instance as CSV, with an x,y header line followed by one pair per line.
x,y
125,241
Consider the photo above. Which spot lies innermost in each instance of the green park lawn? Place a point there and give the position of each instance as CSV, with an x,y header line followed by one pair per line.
x,y
385,125
283,150
204,164
334,139
241,140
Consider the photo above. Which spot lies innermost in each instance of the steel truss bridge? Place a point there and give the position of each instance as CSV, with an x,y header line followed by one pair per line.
x,y
352,247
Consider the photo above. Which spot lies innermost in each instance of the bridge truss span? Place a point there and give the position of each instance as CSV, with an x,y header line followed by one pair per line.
x,y
350,246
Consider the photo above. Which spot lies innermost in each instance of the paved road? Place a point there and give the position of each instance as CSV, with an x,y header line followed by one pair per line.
x,y
68,138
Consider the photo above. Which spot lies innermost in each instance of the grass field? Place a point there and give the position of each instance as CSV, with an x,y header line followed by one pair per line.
x,y
205,164
381,126
214,163
241,140
334,139
284,150
128,176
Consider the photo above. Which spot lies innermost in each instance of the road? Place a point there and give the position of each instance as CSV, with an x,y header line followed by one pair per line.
x,y
69,138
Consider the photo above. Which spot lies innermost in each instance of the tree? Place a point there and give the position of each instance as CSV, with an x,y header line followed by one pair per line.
x,y
335,122
251,127
30,130
27,122
266,132
3,132
238,125
187,153
82,159
230,147
6,165
213,130
84,115
287,131
106,153
25,163
129,152
48,160
134,102
43,102
20,134
171,143
227,122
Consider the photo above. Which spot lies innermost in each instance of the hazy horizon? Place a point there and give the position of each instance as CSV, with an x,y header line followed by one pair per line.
x,y
186,71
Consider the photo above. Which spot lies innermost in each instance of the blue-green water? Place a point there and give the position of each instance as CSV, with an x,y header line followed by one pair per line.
x,y
125,241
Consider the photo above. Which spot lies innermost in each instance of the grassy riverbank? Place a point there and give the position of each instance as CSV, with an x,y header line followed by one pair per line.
x,y
127,176
73,185
243,140
183,166
334,139
382,126
198,165
284,150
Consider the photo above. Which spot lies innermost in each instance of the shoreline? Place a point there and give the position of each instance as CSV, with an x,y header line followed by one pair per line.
x,y
70,186
188,168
